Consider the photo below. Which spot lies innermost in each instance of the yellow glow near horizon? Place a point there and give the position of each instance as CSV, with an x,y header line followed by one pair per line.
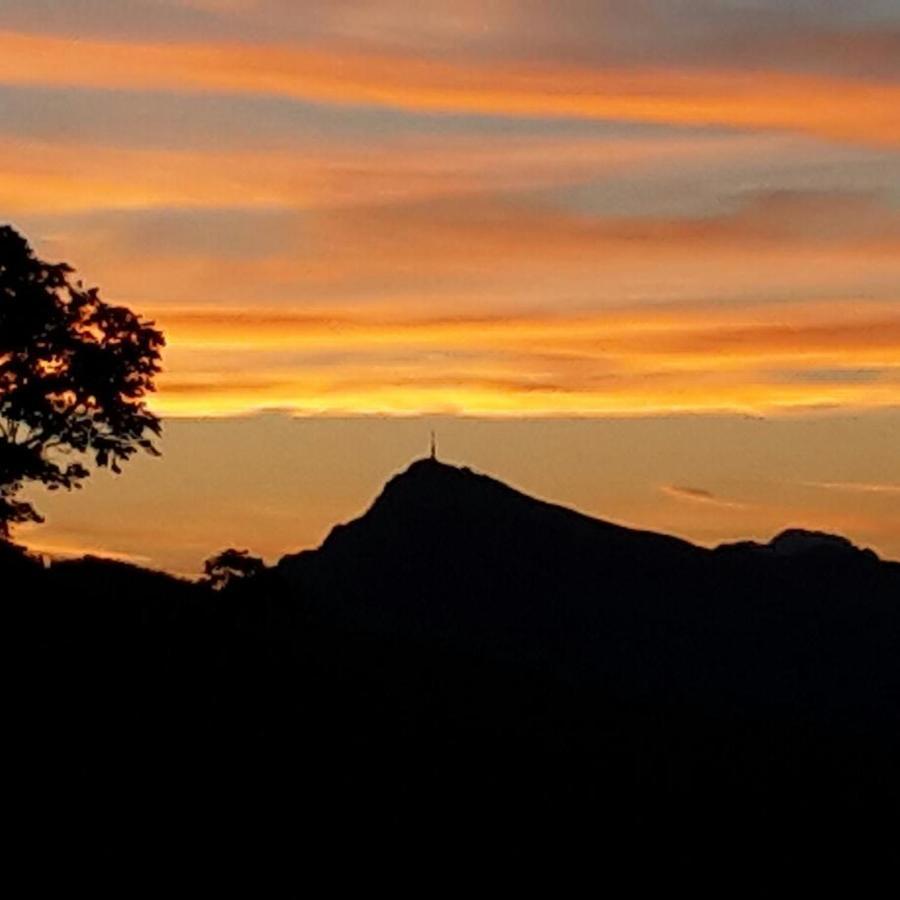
x,y
641,361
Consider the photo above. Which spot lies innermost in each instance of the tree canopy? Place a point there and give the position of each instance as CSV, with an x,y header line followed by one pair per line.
x,y
75,373
231,565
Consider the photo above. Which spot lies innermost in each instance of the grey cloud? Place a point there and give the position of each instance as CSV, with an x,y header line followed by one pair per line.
x,y
830,375
697,495
202,122
862,38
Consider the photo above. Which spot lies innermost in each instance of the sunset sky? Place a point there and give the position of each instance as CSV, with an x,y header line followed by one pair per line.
x,y
638,256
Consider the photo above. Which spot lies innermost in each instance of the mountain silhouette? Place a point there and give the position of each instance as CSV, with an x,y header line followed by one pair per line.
x,y
450,555
463,658
445,550
433,503
800,542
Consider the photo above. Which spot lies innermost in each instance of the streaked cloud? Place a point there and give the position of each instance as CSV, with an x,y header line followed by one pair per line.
x,y
858,38
65,177
857,109
629,361
854,487
698,495
464,246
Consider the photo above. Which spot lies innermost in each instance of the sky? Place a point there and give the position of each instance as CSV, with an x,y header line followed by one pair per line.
x,y
638,256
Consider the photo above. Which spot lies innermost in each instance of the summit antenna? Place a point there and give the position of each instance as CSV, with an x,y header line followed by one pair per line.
x,y
433,446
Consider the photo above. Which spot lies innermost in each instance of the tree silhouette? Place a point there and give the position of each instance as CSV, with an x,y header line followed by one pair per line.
x,y
231,565
74,376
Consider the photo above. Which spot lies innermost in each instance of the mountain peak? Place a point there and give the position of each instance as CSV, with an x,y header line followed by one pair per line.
x,y
801,542
430,465
430,473
429,483
441,515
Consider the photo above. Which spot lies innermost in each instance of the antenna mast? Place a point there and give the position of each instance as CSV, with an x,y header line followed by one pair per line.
x,y
433,446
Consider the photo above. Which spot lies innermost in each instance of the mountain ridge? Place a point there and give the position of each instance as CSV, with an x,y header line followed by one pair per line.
x,y
428,479
444,554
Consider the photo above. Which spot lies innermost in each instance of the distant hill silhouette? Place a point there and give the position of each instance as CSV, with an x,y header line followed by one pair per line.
x,y
445,550
448,554
465,657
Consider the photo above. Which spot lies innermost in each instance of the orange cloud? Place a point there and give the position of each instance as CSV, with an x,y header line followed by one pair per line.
x,y
663,330
460,248
843,108
494,229
70,177
635,361
855,487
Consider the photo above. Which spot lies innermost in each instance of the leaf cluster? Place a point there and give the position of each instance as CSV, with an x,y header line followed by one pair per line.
x,y
231,565
75,373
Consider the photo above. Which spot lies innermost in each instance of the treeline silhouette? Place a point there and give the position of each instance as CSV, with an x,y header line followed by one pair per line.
x,y
464,658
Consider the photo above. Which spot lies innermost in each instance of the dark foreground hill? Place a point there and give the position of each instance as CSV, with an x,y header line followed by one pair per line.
x,y
464,658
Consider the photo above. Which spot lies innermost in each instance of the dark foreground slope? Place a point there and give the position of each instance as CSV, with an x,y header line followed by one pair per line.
x,y
464,658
